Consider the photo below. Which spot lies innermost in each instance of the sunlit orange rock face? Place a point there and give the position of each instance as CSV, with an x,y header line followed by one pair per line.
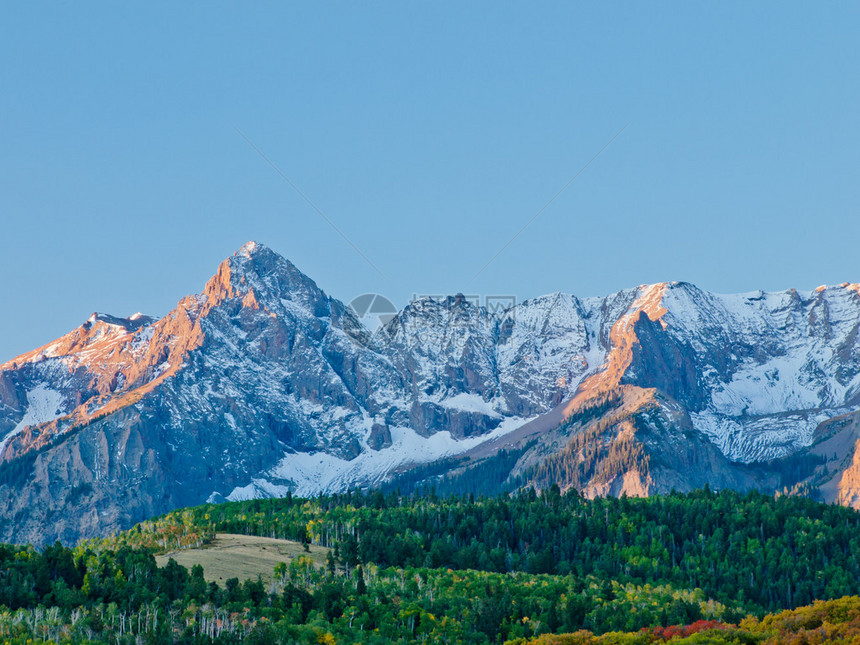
x,y
835,454
145,415
649,374
622,338
607,382
848,482
114,362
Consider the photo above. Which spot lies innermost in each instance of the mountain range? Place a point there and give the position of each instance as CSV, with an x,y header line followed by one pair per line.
x,y
263,385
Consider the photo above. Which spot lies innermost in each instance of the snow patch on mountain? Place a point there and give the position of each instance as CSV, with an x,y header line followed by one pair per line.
x,y
471,403
772,365
308,474
759,439
44,404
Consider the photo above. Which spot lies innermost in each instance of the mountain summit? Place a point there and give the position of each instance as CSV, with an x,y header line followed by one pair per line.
x,y
263,384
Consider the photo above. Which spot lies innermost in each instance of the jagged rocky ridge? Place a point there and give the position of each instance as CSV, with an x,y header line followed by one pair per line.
x,y
263,384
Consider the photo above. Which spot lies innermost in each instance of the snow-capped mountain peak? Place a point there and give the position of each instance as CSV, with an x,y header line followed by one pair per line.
x,y
262,383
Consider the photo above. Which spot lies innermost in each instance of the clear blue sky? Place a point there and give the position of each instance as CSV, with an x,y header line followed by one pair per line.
x,y
429,133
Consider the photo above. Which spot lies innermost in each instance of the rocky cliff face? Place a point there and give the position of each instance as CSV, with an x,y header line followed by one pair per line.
x,y
758,372
263,384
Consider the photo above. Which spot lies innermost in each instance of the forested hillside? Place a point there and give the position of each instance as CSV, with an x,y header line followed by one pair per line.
x,y
430,569
767,553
